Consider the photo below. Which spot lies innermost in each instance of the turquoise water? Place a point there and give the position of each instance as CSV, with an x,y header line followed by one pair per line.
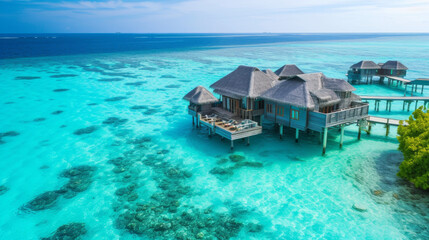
x,y
295,194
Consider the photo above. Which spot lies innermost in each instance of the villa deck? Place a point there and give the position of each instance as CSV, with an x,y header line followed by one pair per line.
x,y
232,132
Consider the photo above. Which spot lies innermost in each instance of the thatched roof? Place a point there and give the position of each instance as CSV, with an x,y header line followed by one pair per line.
x,y
365,65
288,71
304,89
338,85
200,95
395,65
271,74
244,82
293,92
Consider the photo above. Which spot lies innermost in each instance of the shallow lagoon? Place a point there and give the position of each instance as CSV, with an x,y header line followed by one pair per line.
x,y
297,194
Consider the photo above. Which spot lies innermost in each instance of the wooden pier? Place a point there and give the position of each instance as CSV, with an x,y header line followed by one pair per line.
x,y
390,99
372,120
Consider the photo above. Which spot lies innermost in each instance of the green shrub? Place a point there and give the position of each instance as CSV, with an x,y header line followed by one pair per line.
x,y
414,144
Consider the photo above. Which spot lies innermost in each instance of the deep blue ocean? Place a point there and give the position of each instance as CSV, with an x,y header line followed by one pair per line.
x,y
40,45
96,143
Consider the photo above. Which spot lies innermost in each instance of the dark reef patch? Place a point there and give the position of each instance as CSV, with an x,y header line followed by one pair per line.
x,y
9,134
26,78
167,76
86,130
63,75
139,83
71,231
61,90
39,119
115,121
57,112
173,86
117,74
3,189
148,69
115,99
80,178
151,111
43,201
110,79
138,107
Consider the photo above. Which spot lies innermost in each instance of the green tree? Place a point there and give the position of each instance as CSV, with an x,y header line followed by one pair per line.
x,y
414,144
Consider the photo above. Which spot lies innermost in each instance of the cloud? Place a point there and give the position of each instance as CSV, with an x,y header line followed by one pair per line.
x,y
232,15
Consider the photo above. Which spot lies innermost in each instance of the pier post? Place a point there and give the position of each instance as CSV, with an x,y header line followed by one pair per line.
x,y
248,141
416,105
369,128
281,131
320,137
422,88
342,136
296,135
359,129
409,103
193,121
387,105
325,139
405,92
387,127
403,105
210,135
198,120
232,145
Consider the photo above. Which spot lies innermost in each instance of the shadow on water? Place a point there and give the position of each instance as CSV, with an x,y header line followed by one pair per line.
x,y
407,200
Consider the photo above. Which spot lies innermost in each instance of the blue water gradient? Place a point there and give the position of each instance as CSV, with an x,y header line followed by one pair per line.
x,y
130,105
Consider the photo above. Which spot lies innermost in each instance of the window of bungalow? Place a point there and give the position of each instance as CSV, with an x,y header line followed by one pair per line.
x,y
269,108
260,104
294,114
280,111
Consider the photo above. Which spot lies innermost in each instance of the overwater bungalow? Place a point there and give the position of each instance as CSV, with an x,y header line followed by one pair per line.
x,y
363,70
240,91
393,68
304,102
366,70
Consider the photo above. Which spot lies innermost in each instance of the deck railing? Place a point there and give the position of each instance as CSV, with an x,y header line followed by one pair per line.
x,y
357,111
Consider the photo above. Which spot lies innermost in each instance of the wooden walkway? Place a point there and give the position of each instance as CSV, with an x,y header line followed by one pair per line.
x,y
395,98
389,99
382,120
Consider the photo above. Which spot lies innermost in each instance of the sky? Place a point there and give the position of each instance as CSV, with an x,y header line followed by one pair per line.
x,y
213,16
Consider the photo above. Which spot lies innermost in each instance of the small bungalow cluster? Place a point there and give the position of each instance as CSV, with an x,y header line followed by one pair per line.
x,y
366,70
288,97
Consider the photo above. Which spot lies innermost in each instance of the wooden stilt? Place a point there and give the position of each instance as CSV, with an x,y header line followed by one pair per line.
x,y
369,128
325,139
405,92
320,137
193,121
403,105
409,103
232,145
422,89
359,130
387,128
416,105
342,136
296,135
248,141
281,131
